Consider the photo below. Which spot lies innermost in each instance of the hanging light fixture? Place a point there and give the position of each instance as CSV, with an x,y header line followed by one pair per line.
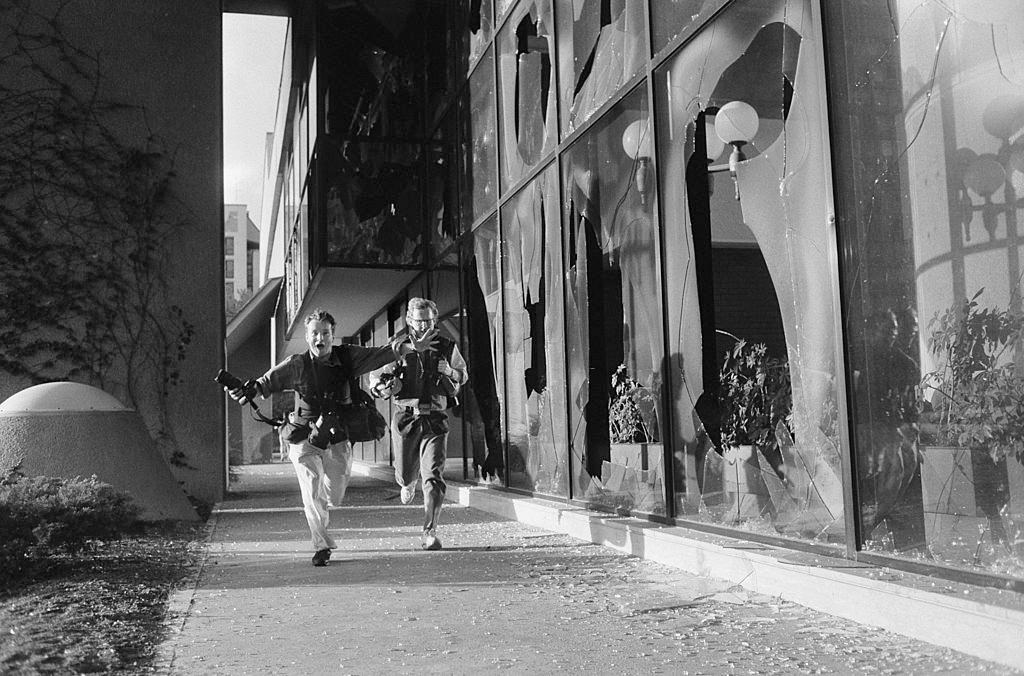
x,y
636,142
736,123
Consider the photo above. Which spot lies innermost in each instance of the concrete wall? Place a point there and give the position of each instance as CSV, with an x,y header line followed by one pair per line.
x,y
165,55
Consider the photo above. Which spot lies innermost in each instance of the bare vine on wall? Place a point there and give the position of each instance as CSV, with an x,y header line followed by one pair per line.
x,y
86,219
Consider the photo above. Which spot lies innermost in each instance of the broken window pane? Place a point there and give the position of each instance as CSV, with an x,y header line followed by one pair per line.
x,y
485,355
478,134
930,176
601,45
527,90
672,18
372,206
442,195
613,312
535,339
752,323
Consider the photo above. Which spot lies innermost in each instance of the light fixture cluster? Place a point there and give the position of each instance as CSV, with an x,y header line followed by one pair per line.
x,y
736,123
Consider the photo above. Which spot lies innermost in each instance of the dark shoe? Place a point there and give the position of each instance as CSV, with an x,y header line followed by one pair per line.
x,y
321,557
430,541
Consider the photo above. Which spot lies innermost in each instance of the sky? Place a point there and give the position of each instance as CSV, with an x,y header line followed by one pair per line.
x,y
253,48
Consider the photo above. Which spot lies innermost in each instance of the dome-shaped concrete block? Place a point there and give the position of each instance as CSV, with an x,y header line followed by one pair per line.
x,y
51,430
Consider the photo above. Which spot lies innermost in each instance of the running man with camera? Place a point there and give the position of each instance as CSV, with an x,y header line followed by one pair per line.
x,y
317,441
424,384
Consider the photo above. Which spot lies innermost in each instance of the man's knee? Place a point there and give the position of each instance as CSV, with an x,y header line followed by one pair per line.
x,y
434,485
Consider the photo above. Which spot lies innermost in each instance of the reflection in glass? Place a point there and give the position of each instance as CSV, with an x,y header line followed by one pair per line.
x,y
934,272
755,399
601,45
534,339
442,196
479,156
485,354
613,312
372,203
527,89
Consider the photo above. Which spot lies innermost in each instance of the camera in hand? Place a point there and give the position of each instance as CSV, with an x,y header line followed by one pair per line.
x,y
326,430
226,379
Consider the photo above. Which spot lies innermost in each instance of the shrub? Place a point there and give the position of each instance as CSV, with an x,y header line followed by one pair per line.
x,y
756,397
42,515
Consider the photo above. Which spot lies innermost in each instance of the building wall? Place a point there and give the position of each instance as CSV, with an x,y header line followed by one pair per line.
x,y
165,56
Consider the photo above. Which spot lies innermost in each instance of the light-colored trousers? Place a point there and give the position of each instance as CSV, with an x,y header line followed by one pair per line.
x,y
323,477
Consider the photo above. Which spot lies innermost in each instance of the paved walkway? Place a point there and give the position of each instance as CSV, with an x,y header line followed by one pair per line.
x,y
500,596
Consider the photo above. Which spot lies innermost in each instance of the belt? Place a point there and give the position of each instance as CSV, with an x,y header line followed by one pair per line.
x,y
417,411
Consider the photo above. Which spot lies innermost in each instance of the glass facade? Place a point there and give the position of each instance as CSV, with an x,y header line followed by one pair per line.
x,y
613,310
748,265
753,320
602,44
930,181
535,338
526,89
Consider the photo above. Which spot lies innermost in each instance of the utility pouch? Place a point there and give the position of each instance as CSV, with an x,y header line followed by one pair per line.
x,y
295,430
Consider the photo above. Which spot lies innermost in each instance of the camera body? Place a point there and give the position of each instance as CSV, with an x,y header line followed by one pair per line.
x,y
228,380
326,430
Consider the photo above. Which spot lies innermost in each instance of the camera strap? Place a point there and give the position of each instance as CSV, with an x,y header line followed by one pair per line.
x,y
258,416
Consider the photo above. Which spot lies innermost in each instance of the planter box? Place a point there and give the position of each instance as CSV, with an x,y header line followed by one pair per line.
x,y
743,484
639,461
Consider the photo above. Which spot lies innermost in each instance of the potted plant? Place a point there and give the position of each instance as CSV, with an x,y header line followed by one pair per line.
x,y
756,397
629,401
631,413
977,392
973,409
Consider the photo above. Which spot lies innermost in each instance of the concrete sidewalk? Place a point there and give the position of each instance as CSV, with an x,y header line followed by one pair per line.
x,y
502,595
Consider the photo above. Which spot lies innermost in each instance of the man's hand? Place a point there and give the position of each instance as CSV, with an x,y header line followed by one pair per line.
x,y
444,369
245,394
428,341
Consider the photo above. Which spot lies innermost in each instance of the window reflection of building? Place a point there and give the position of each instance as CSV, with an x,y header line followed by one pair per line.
x,y
935,198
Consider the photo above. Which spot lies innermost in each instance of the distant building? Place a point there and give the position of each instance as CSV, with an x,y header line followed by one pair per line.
x,y
241,257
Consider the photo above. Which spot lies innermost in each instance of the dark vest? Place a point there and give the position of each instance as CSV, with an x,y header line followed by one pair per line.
x,y
322,386
419,371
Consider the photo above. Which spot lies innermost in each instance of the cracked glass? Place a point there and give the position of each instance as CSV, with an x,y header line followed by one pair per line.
x,y
481,400
526,89
372,204
479,168
929,177
535,338
615,340
752,319
601,45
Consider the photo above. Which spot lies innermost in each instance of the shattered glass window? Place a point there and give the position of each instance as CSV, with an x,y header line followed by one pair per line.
x,y
672,18
601,45
527,90
613,313
481,400
480,25
752,317
478,132
535,338
442,195
930,178
372,208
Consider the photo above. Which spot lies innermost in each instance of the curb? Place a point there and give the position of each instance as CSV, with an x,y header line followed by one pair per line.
x,y
179,602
